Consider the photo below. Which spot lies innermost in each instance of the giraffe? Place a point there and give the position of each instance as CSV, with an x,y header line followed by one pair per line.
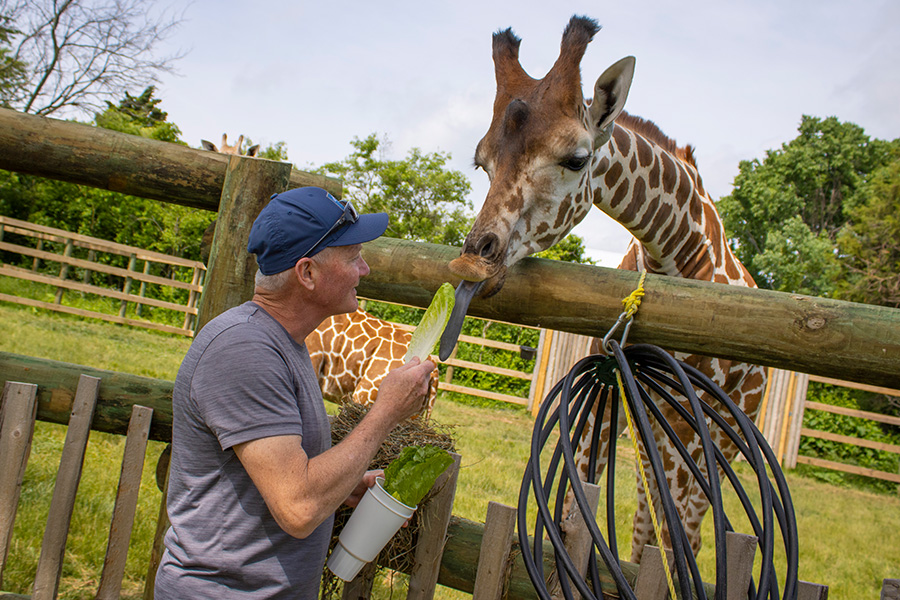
x,y
550,155
351,353
234,150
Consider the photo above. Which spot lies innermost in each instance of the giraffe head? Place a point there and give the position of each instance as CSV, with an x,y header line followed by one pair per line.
x,y
538,153
226,149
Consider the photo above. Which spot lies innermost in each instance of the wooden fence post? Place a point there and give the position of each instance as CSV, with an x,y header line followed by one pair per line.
x,y
86,276
138,309
126,287
192,299
53,546
64,270
578,541
249,183
17,414
496,545
434,517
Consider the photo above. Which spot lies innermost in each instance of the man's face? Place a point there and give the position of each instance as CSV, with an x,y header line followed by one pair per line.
x,y
340,270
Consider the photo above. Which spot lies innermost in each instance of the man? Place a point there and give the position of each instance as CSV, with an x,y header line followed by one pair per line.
x,y
254,481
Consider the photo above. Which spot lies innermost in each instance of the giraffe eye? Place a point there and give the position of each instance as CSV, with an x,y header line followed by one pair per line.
x,y
576,162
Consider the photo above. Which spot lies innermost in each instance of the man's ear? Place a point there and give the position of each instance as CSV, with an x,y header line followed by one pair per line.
x,y
307,273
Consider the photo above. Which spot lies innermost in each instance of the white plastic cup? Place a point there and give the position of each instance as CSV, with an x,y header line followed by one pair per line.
x,y
374,521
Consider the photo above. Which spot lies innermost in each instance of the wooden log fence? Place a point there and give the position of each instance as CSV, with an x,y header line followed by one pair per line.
x,y
69,241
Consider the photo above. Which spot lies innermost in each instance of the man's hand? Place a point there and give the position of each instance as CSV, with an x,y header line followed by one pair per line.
x,y
367,481
404,391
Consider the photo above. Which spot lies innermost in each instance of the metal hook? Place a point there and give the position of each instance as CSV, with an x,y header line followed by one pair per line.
x,y
623,318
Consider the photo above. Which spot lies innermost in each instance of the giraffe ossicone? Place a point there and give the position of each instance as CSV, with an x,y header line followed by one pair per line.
x,y
550,155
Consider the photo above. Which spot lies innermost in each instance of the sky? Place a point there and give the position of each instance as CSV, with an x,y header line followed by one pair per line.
x,y
733,78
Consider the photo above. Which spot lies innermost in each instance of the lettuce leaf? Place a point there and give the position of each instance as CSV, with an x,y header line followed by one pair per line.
x,y
409,477
432,325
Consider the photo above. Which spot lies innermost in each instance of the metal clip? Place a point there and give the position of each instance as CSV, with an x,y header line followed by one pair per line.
x,y
623,318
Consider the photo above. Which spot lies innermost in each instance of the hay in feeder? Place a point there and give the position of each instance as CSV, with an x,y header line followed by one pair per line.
x,y
398,554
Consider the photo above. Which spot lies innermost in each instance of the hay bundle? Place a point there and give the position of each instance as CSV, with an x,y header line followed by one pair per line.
x,y
397,555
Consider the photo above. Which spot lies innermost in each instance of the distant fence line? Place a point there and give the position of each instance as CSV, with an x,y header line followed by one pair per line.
x,y
780,420
68,241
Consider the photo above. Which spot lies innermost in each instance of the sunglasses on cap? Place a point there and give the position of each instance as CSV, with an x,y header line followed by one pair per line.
x,y
348,217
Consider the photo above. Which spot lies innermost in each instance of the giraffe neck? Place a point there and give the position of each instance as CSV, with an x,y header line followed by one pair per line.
x,y
655,191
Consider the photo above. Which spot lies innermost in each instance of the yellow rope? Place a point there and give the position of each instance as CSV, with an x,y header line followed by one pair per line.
x,y
632,303
656,528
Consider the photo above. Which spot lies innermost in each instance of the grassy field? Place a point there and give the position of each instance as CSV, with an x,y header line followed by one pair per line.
x,y
847,537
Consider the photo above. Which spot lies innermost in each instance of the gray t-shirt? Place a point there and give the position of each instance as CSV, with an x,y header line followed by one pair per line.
x,y
244,378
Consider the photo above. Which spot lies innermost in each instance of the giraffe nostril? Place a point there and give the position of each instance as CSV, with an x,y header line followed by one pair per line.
x,y
487,245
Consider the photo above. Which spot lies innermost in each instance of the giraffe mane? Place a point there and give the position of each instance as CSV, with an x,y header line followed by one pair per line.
x,y
652,132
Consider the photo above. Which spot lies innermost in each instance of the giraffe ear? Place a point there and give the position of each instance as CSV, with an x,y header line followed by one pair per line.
x,y
252,150
610,93
208,146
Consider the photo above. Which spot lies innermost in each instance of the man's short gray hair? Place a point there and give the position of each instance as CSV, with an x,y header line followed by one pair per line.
x,y
275,282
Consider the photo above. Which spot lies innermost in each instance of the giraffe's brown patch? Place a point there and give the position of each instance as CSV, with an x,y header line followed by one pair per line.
x,y
601,167
620,194
638,196
731,269
662,214
652,207
684,186
644,151
688,249
696,207
677,238
667,230
613,174
653,179
669,173
622,140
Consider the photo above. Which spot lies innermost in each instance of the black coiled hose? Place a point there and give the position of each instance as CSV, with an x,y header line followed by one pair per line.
x,y
647,369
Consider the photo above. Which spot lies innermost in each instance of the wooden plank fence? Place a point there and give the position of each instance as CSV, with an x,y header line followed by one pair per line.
x,y
780,420
67,242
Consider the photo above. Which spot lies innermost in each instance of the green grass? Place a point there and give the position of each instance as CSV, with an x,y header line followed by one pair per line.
x,y
845,534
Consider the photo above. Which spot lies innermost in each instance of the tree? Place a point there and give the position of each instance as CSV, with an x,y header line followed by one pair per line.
x,y
784,214
427,202
12,71
140,116
570,249
870,245
77,53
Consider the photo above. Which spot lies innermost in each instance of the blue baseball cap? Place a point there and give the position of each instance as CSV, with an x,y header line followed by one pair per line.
x,y
301,222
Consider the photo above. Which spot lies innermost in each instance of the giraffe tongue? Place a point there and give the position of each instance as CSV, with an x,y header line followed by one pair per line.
x,y
465,291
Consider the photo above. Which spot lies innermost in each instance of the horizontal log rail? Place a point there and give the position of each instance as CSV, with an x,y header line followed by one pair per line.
x,y
57,382
845,468
821,336
120,162
847,439
852,412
